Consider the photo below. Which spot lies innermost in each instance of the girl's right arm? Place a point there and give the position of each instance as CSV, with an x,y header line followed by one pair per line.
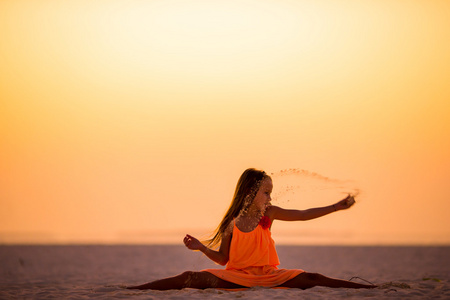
x,y
221,257
279,213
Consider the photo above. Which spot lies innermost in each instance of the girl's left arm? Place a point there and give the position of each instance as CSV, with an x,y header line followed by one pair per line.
x,y
278,213
220,257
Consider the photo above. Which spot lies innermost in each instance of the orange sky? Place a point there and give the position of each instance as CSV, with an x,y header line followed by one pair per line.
x,y
131,121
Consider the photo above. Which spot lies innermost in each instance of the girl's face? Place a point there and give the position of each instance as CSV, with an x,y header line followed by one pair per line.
x,y
262,198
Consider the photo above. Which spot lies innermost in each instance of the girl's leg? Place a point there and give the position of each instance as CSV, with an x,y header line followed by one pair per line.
x,y
308,280
197,280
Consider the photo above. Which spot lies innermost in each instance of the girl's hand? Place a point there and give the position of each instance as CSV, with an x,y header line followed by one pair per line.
x,y
192,243
345,203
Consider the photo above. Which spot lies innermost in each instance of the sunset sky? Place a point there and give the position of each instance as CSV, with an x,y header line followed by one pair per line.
x,y
131,121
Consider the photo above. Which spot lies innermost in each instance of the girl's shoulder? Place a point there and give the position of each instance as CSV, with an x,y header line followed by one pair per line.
x,y
271,211
229,229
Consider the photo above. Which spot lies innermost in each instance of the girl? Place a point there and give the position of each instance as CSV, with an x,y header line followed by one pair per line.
x,y
246,246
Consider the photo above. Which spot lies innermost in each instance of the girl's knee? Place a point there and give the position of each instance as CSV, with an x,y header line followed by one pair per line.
x,y
304,280
185,278
313,277
192,279
202,280
187,274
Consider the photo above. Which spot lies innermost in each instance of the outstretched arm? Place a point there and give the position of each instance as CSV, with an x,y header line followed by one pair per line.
x,y
278,213
220,257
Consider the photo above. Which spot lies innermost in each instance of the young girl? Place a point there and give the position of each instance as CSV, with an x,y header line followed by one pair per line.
x,y
246,246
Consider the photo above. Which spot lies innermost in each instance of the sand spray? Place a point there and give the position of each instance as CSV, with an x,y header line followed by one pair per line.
x,y
292,184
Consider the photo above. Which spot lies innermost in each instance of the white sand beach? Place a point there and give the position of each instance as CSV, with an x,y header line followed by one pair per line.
x,y
102,272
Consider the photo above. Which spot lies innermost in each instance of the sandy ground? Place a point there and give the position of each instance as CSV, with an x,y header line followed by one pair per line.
x,y
101,272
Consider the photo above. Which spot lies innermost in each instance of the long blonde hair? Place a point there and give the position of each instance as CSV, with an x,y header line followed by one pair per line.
x,y
246,189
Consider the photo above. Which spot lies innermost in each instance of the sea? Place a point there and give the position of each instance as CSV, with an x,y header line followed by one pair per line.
x,y
103,271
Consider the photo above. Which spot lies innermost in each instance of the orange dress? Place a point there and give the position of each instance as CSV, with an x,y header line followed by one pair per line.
x,y
253,260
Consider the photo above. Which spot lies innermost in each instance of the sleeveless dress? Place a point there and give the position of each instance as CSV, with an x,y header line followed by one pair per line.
x,y
253,259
